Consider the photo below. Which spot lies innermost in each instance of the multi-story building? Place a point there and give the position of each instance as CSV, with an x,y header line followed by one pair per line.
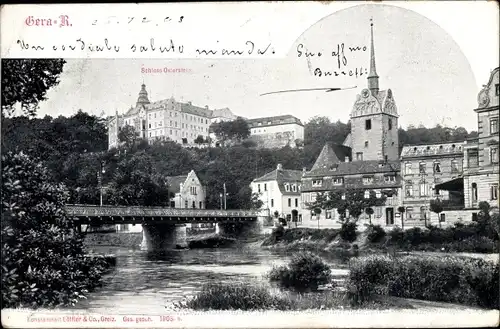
x,y
423,167
279,191
166,119
373,146
481,167
277,131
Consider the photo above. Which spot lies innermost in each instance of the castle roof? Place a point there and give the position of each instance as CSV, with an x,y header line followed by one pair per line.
x,y
432,150
355,168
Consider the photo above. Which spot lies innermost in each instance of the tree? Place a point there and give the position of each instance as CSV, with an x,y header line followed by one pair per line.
x,y
317,212
436,206
127,135
26,82
352,200
199,140
231,130
401,211
43,258
369,211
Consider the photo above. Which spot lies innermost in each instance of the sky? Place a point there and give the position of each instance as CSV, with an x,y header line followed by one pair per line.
x,y
430,74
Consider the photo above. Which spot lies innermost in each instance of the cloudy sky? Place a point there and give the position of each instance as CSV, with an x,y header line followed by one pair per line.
x,y
430,74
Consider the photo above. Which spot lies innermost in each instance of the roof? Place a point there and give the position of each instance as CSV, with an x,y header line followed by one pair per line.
x,y
331,154
174,183
433,150
355,167
272,121
223,113
281,176
455,184
200,111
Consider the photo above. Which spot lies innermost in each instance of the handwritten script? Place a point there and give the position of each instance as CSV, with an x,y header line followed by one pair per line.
x,y
341,53
149,46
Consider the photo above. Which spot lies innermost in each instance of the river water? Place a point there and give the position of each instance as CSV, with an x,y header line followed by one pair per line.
x,y
147,283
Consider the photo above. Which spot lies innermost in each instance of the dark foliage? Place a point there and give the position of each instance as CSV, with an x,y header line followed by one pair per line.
x,y
348,231
375,233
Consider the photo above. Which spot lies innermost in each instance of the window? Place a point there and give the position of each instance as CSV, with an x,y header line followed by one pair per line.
x,y
437,168
409,190
272,202
424,189
201,204
289,202
337,181
494,191
378,194
193,190
265,187
494,154
328,214
343,196
423,213
367,180
421,167
454,166
294,188
149,125
317,182
359,156
378,211
497,90
368,124
366,143
442,217
185,204
474,192
287,187
194,204
409,213
494,125
258,188
296,202
408,168
390,179
367,194
390,124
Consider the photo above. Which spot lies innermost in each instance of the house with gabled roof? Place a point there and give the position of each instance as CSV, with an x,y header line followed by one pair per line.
x,y
279,191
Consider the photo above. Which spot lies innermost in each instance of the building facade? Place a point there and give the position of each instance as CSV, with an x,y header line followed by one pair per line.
x,y
481,167
166,120
188,191
277,131
423,167
372,163
279,191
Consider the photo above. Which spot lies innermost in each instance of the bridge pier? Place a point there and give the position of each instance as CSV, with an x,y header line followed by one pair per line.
x,y
161,237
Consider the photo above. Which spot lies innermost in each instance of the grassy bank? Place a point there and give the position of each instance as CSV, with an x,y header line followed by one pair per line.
x,y
467,281
375,239
254,297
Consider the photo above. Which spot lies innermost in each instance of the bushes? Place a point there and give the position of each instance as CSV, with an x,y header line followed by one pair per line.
x,y
348,231
297,234
43,261
375,233
236,297
305,271
448,279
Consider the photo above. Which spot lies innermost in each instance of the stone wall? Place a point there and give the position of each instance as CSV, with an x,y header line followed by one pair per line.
x,y
274,140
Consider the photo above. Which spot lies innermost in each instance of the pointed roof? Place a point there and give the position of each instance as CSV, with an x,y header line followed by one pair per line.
x,y
326,158
373,68
143,96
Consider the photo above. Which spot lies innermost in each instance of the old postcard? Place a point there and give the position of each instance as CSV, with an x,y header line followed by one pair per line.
x,y
250,165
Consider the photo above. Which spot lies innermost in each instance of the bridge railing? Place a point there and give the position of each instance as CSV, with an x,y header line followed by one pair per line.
x,y
137,211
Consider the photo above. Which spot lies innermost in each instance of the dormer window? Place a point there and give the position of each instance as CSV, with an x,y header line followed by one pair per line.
x,y
367,194
294,188
287,187
390,179
367,180
338,181
437,168
317,182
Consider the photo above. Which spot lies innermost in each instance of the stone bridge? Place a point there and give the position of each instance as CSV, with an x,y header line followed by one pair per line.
x,y
164,228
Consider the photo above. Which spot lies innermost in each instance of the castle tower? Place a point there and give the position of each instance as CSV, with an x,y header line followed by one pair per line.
x,y
143,96
374,120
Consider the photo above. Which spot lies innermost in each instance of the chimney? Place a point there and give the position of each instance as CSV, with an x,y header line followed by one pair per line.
x,y
346,159
206,107
304,171
190,103
280,167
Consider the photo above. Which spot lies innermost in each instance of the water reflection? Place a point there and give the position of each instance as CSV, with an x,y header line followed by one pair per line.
x,y
145,282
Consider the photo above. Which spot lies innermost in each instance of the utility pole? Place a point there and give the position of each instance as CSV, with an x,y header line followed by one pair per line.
x,y
225,197
99,180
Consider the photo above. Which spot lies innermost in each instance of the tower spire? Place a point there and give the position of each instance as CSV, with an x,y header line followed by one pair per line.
x,y
372,77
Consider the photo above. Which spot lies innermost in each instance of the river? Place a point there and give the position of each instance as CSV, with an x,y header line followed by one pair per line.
x,y
146,283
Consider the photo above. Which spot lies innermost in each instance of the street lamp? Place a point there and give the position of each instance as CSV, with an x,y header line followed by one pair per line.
x,y
99,179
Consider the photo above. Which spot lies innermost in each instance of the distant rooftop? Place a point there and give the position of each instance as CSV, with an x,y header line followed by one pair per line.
x,y
273,121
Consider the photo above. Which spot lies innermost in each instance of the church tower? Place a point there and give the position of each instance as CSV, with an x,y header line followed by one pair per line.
x,y
374,120
143,96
